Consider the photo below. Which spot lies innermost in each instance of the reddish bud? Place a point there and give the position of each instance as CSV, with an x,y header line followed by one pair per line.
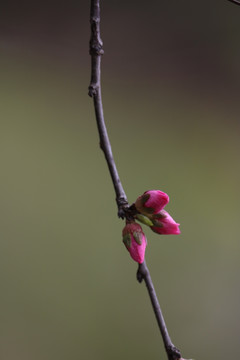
x,y
135,241
151,202
164,224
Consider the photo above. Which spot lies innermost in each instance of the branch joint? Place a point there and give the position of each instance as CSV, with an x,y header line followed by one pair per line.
x,y
173,352
93,90
96,48
142,273
123,207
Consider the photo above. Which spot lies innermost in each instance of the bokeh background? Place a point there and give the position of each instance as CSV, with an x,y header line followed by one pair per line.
x,y
171,87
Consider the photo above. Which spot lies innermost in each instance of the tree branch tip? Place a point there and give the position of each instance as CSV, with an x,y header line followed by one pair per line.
x,y
235,2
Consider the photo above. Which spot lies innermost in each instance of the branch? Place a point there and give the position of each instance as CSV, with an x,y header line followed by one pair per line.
x,y
96,51
235,2
144,274
124,211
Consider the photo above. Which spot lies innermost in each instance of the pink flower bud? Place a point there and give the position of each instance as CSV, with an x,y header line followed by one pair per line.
x,y
151,202
135,241
164,224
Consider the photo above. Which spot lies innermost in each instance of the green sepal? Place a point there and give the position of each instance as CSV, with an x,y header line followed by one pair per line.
x,y
159,216
157,223
156,219
127,240
144,219
144,198
138,237
147,209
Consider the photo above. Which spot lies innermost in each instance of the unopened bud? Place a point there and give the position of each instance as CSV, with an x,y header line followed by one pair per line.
x,y
135,241
164,224
151,202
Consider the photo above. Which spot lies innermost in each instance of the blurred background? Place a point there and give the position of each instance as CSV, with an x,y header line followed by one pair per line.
x,y
171,86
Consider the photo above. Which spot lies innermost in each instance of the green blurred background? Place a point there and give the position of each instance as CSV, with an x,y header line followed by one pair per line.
x,y
171,86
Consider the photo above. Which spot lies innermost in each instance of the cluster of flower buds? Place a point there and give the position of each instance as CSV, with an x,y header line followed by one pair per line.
x,y
149,207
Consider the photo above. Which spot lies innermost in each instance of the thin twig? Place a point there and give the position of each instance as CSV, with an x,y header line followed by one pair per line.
x,y
96,51
235,2
144,274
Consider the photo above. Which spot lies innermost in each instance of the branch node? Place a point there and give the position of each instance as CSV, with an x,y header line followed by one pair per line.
x,y
173,352
141,273
92,90
123,207
96,48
